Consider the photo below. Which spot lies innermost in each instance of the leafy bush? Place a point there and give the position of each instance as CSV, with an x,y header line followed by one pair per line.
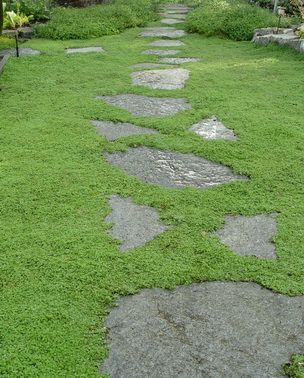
x,y
233,19
38,9
96,21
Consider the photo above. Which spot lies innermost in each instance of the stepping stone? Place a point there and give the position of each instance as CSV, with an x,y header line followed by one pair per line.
x,y
161,79
174,15
23,51
250,236
177,11
179,60
83,50
171,169
161,52
134,225
150,65
162,32
144,106
166,43
211,329
114,130
212,128
171,21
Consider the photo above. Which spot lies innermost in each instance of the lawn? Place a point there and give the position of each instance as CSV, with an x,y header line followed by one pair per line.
x,y
60,270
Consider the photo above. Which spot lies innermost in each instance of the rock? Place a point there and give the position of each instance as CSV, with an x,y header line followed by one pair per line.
x,y
179,60
171,21
162,32
161,79
166,43
172,169
161,52
150,65
144,106
83,50
212,128
25,32
23,51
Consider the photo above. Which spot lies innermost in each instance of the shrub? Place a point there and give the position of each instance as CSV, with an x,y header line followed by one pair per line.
x,y
233,19
97,20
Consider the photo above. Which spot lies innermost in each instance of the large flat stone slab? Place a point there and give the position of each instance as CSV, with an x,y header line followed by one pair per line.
x,y
212,128
162,32
250,236
161,52
150,65
161,79
171,21
212,329
172,169
176,16
114,130
144,106
134,225
166,43
23,51
83,50
179,60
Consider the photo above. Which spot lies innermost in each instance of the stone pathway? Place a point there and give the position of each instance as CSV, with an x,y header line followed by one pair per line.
x,y
212,329
83,50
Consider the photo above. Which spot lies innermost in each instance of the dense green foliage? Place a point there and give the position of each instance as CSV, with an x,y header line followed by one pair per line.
x,y
233,19
96,20
59,268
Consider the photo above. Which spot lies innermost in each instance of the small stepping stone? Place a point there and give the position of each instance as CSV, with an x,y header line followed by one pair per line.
x,y
171,21
114,130
134,225
161,52
150,65
162,32
161,79
23,51
212,128
166,43
83,50
211,329
176,11
178,60
144,106
250,236
172,169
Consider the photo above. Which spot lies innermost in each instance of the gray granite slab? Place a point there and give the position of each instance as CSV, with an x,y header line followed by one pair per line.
x,y
162,32
161,79
250,236
212,128
134,225
176,16
114,130
178,60
161,52
172,169
23,51
83,50
211,329
144,106
166,43
150,65
171,21
176,11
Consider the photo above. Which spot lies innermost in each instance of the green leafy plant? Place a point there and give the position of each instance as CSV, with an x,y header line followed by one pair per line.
x,y
14,20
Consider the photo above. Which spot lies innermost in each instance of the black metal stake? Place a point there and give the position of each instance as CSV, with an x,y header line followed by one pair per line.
x,y
17,44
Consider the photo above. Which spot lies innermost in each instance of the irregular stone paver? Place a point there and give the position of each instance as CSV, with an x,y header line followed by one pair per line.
x,y
177,11
23,51
161,79
150,65
171,169
166,43
83,50
178,60
212,128
134,225
162,32
144,106
212,329
250,236
161,52
114,130
171,21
